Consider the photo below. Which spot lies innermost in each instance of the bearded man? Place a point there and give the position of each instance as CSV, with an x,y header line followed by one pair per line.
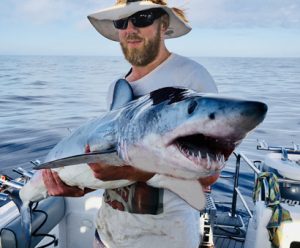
x,y
139,215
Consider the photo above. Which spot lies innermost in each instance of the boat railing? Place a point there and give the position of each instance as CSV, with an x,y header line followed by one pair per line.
x,y
263,146
240,156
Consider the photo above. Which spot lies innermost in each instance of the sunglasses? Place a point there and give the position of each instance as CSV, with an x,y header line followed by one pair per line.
x,y
140,19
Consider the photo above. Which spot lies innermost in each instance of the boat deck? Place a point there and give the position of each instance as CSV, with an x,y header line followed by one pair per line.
x,y
227,242
229,232
226,232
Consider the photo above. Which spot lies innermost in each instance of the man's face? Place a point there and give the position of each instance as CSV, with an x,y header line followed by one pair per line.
x,y
141,45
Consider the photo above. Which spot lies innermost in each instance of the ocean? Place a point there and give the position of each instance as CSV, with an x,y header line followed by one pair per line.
x,y
43,98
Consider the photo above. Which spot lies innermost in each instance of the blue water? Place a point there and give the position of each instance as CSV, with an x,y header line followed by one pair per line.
x,y
43,98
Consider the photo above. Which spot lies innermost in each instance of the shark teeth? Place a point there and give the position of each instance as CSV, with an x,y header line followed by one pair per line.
x,y
209,161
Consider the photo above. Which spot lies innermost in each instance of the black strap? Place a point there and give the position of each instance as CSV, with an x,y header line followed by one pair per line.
x,y
132,1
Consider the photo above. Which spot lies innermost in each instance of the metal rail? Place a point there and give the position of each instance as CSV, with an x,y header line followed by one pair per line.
x,y
236,192
13,184
244,202
3,197
291,181
262,145
235,185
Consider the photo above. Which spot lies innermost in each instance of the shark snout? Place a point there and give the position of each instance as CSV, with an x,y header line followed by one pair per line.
x,y
253,112
257,108
241,117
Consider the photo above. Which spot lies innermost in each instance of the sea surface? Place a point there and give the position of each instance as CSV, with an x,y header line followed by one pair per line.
x,y
43,98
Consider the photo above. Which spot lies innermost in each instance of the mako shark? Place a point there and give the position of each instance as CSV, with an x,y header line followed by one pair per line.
x,y
176,133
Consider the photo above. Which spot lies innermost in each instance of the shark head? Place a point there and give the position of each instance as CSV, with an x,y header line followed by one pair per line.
x,y
179,132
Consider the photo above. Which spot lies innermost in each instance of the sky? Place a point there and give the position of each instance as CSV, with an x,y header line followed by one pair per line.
x,y
221,28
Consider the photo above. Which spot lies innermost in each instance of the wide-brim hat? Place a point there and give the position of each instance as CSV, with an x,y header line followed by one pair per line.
x,y
102,20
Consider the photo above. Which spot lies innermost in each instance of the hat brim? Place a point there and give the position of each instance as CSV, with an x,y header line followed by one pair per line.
x,y
103,19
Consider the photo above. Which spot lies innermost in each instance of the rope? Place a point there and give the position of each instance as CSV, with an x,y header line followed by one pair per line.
x,y
279,214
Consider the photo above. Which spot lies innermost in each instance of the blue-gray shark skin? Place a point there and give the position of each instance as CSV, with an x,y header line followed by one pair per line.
x,y
176,133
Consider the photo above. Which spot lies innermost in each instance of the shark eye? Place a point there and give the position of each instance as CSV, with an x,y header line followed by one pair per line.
x,y
191,107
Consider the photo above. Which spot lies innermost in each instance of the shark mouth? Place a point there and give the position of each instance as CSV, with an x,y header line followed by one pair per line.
x,y
208,152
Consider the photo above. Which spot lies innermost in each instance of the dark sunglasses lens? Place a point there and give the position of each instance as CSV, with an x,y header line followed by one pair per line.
x,y
121,24
143,19
140,19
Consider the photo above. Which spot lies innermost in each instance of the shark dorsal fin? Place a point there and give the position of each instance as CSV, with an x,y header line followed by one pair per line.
x,y
122,94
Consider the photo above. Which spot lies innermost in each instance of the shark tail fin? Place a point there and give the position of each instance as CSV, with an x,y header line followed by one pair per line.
x,y
189,190
25,212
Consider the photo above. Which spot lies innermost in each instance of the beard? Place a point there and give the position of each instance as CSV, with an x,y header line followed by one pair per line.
x,y
143,55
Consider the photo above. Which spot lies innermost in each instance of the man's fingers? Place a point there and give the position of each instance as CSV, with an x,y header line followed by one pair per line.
x,y
98,166
87,149
56,187
51,178
47,177
57,179
49,181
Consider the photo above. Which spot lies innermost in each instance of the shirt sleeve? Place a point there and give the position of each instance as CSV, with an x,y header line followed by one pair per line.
x,y
200,80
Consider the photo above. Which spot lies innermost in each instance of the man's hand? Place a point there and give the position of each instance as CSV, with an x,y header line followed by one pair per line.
x,y
56,187
107,172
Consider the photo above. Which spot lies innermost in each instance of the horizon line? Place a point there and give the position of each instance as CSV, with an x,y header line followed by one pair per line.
x,y
121,56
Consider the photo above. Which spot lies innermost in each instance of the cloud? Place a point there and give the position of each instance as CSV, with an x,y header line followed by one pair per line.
x,y
42,11
244,13
37,11
49,11
202,13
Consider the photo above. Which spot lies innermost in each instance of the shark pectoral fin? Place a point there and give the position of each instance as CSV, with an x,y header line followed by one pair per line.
x,y
189,190
93,157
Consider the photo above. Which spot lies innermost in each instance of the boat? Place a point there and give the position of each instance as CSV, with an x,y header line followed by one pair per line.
x,y
276,187
69,222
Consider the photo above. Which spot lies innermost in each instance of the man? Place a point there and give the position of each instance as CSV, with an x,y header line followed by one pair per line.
x,y
139,215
